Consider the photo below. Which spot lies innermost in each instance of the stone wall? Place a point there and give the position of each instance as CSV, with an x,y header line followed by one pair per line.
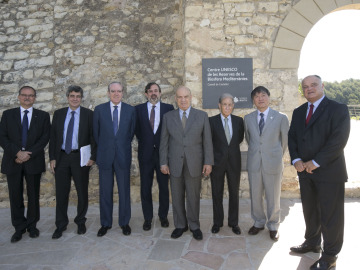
x,y
50,44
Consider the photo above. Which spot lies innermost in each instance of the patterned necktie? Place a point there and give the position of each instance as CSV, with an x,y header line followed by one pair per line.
x,y
25,127
69,134
309,114
115,120
227,131
152,117
261,123
183,120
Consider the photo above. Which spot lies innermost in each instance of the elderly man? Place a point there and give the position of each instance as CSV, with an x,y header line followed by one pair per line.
x,y
318,134
114,128
227,133
186,153
24,133
72,128
266,134
148,129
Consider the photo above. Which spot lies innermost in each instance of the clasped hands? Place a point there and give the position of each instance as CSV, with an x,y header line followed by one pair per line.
x,y
308,166
22,156
206,170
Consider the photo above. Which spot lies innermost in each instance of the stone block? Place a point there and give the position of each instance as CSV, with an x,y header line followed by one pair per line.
x,y
244,39
326,6
288,40
16,55
268,7
232,30
193,11
297,23
6,65
309,10
245,7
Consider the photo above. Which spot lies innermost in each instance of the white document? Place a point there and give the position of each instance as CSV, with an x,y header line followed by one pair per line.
x,y
85,154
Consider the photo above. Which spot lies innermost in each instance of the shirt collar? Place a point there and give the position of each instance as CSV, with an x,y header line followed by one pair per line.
x,y
29,110
316,103
77,111
266,112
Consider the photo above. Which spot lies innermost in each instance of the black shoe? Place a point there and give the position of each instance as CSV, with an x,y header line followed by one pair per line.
x,y
178,232
304,248
103,230
58,233
33,232
17,236
126,229
255,230
164,222
147,225
81,229
322,264
274,235
197,234
215,229
236,229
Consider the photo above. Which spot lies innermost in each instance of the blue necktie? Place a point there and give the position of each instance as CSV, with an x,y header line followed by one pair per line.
x,y
25,127
115,120
261,123
69,134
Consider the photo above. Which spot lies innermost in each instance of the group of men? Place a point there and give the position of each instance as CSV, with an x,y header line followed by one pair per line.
x,y
182,145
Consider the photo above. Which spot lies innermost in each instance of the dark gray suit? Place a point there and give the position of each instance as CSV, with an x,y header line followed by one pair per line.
x,y
185,152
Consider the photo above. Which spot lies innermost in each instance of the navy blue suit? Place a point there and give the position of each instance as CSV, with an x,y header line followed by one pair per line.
x,y
148,155
114,156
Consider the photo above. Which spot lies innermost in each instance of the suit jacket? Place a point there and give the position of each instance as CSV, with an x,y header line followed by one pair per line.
x,y
267,150
194,142
85,136
322,140
10,140
225,153
147,140
112,147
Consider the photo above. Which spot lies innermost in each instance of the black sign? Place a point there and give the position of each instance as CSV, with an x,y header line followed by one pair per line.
x,y
227,75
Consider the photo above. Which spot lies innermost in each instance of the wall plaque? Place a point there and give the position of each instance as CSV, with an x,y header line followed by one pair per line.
x,y
227,75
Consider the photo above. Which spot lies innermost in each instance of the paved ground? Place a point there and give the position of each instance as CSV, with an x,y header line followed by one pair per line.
x,y
156,250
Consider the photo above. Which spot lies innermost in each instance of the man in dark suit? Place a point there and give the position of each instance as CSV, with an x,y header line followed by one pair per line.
x,y
72,128
186,153
24,133
114,127
148,129
227,133
318,133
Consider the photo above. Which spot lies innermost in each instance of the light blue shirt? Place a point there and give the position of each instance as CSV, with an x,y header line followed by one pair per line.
x,y
75,143
187,112
266,112
229,123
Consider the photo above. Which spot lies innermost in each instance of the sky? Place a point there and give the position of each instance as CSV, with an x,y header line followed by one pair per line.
x,y
332,47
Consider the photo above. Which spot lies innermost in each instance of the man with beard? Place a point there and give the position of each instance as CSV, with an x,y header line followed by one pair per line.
x,y
148,128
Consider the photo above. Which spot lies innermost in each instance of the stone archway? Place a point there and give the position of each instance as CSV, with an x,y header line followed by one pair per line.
x,y
297,24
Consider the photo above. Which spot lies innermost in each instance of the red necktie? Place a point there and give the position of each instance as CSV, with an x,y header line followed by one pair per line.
x,y
309,114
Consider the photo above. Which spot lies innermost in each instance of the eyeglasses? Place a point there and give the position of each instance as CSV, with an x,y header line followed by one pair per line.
x,y
27,96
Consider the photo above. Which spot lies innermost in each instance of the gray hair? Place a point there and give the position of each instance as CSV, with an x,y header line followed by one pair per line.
x,y
226,95
119,83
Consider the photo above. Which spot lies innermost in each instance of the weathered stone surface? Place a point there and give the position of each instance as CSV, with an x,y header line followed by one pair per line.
x,y
50,44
